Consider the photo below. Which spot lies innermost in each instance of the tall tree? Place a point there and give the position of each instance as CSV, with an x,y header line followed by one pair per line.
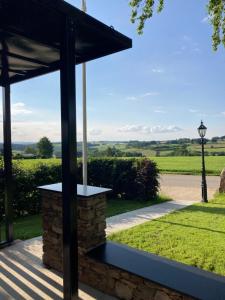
x,y
144,9
45,148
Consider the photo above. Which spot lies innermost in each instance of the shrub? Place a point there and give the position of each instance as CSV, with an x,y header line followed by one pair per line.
x,y
147,179
128,178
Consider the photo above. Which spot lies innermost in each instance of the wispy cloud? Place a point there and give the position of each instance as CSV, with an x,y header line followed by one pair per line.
x,y
187,45
191,110
160,111
149,129
145,95
158,70
149,94
131,98
186,38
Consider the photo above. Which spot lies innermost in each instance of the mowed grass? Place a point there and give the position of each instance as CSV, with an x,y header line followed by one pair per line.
x,y
30,226
118,206
194,236
190,164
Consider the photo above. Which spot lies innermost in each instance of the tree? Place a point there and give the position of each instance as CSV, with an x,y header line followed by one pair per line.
x,y
45,148
30,150
144,9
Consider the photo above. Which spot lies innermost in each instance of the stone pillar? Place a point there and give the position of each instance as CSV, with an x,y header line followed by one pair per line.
x,y
222,182
91,224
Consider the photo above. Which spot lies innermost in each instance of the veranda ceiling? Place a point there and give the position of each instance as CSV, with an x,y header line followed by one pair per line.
x,y
32,44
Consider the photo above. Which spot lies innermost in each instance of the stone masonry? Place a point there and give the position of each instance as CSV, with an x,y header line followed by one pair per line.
x,y
91,233
91,226
222,182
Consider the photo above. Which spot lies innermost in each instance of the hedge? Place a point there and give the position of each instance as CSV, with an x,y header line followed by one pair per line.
x,y
128,179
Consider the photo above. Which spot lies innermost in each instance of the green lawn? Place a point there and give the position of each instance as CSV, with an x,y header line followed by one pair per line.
x,y
194,236
117,206
190,164
29,227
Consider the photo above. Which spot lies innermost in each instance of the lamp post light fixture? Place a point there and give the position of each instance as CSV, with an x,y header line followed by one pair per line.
x,y
202,132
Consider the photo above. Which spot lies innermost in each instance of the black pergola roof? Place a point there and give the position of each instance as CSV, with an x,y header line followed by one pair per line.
x,y
31,32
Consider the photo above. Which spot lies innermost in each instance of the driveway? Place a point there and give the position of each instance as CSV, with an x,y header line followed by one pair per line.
x,y
187,187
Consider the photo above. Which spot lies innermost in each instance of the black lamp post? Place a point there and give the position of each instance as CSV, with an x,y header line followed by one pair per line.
x,y
202,131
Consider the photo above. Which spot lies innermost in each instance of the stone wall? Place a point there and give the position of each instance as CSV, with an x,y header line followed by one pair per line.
x,y
121,284
222,182
91,225
91,233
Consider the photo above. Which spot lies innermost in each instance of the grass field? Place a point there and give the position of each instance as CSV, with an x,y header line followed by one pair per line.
x,y
29,227
190,164
194,236
174,164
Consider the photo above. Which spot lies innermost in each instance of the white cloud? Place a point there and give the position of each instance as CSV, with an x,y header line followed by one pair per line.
x,y
168,129
148,129
33,131
131,128
18,108
158,70
193,110
223,113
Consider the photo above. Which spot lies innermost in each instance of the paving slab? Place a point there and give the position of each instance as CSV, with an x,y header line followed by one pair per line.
x,y
139,216
24,277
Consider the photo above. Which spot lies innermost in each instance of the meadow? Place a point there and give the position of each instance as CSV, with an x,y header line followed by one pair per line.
x,y
190,164
171,164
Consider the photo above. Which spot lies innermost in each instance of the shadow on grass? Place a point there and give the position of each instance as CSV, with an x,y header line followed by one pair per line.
x,y
190,226
217,203
206,209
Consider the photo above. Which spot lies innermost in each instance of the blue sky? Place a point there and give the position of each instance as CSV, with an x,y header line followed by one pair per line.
x,y
160,89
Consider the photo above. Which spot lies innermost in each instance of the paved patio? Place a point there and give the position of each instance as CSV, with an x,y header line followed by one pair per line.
x,y
23,276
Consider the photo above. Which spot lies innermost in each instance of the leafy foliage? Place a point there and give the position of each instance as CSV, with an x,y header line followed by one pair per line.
x,y
45,148
216,10
143,10
123,176
30,150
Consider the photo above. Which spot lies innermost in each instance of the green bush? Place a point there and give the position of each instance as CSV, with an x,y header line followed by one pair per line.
x,y
128,179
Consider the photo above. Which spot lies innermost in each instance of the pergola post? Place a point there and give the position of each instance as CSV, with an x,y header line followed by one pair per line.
x,y
69,157
7,147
